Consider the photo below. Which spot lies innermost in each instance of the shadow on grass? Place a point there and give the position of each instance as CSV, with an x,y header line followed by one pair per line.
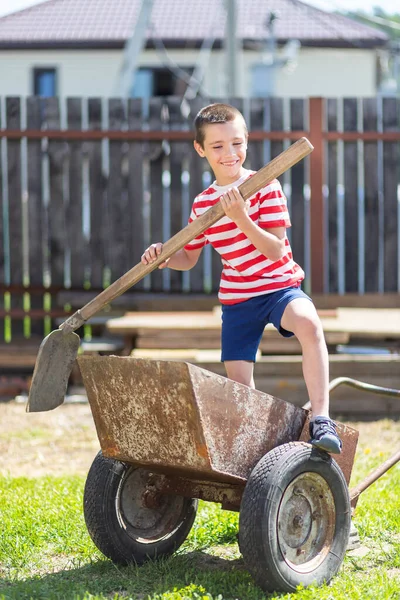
x,y
215,574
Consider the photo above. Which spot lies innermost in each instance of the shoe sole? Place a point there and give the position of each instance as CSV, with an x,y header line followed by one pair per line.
x,y
327,445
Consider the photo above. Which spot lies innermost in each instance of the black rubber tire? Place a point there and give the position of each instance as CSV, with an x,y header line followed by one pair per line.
x,y
274,511
115,521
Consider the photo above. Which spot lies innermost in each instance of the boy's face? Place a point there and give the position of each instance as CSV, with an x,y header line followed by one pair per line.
x,y
224,147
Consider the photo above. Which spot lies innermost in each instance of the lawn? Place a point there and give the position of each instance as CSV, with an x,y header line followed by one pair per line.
x,y
46,552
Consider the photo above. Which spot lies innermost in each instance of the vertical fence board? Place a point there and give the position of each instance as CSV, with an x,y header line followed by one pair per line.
x,y
332,225
3,142
276,124
99,222
118,225
371,198
350,197
77,245
136,186
196,166
35,204
178,150
156,190
255,151
13,121
36,214
297,210
391,181
57,220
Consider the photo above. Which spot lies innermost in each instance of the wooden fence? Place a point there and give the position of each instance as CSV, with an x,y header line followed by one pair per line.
x,y
87,184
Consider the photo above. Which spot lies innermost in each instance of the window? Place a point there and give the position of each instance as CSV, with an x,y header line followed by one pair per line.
x,y
45,82
158,82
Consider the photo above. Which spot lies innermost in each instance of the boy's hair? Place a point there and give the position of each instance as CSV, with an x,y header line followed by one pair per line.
x,y
215,113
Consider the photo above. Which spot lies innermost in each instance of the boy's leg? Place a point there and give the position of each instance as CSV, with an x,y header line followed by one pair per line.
x,y
240,371
300,317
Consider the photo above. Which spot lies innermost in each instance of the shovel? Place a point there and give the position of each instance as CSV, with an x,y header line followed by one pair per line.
x,y
58,351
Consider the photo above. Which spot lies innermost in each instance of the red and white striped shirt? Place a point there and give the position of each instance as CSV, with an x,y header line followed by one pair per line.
x,y
246,271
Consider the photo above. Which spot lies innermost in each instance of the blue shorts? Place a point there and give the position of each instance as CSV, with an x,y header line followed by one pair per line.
x,y
243,323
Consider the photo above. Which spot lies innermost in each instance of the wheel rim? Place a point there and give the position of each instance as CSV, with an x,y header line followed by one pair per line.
x,y
143,524
306,522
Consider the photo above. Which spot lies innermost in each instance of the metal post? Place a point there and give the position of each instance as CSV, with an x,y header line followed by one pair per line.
x,y
231,47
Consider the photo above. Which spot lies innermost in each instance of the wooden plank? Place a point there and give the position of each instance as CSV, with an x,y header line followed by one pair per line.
x,y
331,243
197,166
259,112
99,221
272,343
298,204
365,323
57,218
77,244
136,186
36,213
20,354
361,367
3,226
276,124
119,228
391,182
371,199
178,152
350,198
317,206
156,190
186,319
13,121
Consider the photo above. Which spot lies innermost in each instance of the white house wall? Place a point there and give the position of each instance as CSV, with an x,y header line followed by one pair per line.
x,y
330,72
318,72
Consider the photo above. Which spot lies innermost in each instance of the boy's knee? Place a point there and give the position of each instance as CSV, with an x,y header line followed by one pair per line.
x,y
309,326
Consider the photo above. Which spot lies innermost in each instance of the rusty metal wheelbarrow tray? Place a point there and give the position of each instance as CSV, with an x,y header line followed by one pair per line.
x,y
181,420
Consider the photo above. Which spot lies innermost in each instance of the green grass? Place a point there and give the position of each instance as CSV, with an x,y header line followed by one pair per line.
x,y
46,552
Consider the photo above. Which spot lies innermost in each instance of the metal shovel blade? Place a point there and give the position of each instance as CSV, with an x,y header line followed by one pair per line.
x,y
54,362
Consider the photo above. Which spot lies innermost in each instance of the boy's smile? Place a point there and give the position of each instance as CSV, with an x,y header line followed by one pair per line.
x,y
224,147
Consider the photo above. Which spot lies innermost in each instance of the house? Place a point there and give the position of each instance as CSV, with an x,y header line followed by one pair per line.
x,y
75,48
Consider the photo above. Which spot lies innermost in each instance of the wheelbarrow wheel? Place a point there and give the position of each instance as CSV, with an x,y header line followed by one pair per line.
x,y
122,526
295,518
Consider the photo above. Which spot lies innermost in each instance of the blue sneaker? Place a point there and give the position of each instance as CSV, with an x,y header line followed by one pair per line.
x,y
323,435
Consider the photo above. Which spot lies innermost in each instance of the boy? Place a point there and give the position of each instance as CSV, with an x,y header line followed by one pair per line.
x,y
260,282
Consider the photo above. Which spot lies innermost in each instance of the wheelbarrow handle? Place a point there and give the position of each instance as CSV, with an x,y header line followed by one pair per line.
x,y
265,175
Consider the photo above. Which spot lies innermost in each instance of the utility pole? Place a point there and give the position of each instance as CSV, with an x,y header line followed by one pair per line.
x,y
133,49
231,48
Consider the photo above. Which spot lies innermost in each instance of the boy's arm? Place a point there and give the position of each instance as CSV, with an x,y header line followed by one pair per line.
x,y
183,260
270,242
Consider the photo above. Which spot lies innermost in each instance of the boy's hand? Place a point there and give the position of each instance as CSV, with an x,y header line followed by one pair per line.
x,y
234,206
152,253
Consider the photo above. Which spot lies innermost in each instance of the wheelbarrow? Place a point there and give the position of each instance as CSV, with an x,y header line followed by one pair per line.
x,y
172,433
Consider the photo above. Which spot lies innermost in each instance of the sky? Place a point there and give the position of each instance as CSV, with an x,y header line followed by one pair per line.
x,y
8,6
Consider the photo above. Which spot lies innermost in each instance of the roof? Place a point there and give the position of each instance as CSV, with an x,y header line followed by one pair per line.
x,y
101,23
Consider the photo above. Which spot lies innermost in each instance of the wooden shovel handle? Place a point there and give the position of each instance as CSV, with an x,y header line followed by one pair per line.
x,y
272,170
